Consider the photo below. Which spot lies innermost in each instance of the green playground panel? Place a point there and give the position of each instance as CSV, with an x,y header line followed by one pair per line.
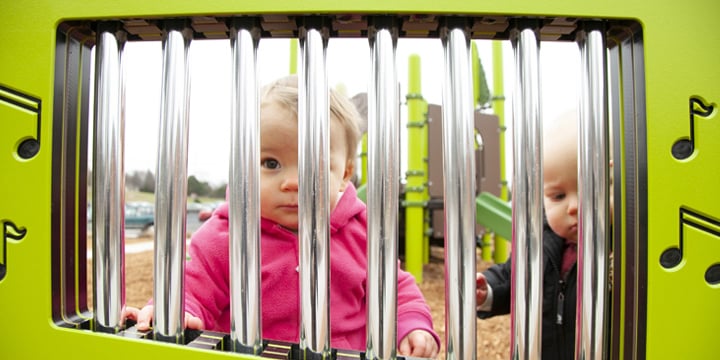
x,y
362,192
494,214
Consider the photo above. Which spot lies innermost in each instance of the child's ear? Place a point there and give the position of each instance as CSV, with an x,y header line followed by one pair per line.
x,y
349,171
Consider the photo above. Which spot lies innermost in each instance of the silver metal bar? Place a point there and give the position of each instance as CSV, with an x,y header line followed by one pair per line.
x,y
244,178
593,183
459,193
314,206
627,88
382,191
614,110
171,185
527,205
108,220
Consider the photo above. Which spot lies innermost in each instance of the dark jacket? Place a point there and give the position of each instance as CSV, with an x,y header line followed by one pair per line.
x,y
559,298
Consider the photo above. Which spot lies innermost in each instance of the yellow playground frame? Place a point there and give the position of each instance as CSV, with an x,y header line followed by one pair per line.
x,y
664,84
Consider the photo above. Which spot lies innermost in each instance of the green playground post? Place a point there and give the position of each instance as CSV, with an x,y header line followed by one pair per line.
x,y
364,159
501,244
424,149
293,56
415,200
475,58
488,234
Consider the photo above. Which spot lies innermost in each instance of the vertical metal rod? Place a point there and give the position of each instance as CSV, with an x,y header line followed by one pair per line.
x,y
108,219
614,82
314,207
171,185
527,210
383,191
627,71
459,193
244,178
593,182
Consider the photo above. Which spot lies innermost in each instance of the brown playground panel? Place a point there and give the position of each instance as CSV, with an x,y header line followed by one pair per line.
x,y
493,335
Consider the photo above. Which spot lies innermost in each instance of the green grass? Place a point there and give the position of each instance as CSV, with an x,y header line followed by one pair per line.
x,y
139,196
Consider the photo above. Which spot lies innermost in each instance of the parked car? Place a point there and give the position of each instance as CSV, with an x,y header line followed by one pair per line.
x,y
139,215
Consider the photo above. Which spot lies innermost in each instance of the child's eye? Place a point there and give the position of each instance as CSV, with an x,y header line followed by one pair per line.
x,y
555,196
270,164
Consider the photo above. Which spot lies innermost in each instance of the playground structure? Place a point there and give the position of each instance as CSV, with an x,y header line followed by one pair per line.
x,y
422,196
666,223
424,188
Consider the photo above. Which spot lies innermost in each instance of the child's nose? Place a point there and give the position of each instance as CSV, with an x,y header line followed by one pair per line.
x,y
290,184
572,205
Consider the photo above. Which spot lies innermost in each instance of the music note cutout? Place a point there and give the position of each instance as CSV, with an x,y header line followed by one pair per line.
x,y
10,231
683,148
674,255
26,104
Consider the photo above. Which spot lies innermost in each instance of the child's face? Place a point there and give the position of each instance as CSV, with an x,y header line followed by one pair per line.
x,y
561,193
279,165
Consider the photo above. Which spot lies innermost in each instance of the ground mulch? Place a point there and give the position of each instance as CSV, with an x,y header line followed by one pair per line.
x,y
493,335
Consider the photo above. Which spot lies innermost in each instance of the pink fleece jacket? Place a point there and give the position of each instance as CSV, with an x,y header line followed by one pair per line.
x,y
207,279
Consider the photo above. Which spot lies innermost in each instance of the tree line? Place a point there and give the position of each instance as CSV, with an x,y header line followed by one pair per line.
x,y
144,181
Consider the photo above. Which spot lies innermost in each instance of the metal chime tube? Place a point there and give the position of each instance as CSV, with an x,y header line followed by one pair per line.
x,y
244,178
459,194
108,221
171,185
527,211
314,206
383,191
593,182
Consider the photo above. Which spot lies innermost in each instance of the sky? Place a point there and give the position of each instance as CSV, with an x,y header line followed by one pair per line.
x,y
348,67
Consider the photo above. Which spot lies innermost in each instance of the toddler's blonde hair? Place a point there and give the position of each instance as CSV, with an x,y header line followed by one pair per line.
x,y
284,91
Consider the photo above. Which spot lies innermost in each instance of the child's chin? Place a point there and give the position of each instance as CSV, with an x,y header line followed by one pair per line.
x,y
292,226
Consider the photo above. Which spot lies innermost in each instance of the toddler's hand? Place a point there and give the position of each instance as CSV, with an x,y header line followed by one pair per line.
x,y
418,343
144,316
481,291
